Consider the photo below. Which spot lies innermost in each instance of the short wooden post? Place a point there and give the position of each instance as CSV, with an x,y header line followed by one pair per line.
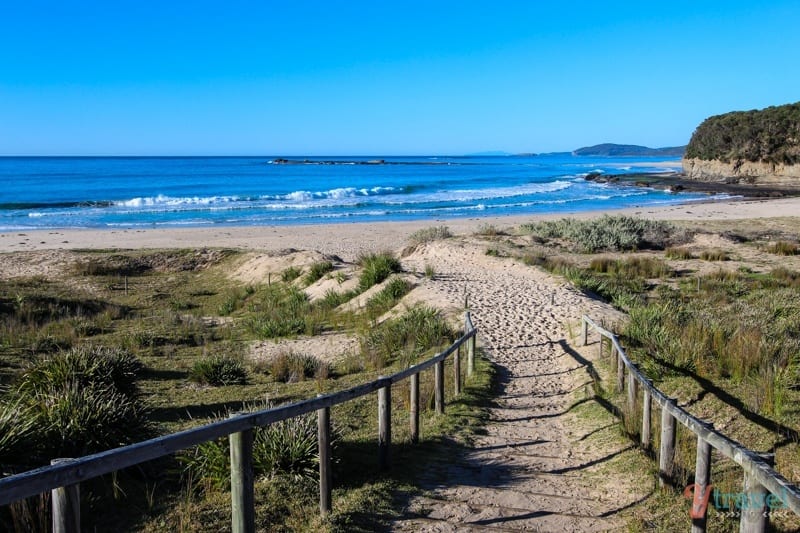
x,y
666,454
438,375
620,373
384,424
324,447
755,519
647,403
414,407
702,478
632,391
243,517
66,506
585,332
470,345
457,371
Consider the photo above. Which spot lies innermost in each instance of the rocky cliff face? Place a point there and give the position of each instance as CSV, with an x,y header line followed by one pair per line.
x,y
742,172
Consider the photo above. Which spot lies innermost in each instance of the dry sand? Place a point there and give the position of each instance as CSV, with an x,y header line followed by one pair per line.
x,y
540,465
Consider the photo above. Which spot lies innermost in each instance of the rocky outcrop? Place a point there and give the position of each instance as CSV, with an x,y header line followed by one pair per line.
x,y
740,171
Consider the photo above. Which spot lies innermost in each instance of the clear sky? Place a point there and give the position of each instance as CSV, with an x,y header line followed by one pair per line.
x,y
373,77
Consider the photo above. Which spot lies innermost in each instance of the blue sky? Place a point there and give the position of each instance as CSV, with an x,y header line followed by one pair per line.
x,y
331,78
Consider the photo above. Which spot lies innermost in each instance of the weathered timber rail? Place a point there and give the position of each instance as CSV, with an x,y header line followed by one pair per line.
x,y
64,475
760,479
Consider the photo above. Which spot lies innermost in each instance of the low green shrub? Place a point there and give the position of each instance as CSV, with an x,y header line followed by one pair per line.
x,y
609,233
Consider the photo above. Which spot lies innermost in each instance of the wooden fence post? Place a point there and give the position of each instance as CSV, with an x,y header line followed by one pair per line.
x,y
702,475
666,454
647,402
754,519
243,519
584,332
324,447
620,373
414,407
470,345
632,386
457,371
438,378
66,506
384,424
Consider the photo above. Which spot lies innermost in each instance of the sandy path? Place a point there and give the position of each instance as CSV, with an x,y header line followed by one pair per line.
x,y
541,466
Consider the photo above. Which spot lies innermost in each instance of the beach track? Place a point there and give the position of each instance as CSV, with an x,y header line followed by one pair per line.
x,y
553,457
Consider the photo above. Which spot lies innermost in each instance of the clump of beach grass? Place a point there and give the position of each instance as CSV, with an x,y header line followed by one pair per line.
x,y
489,230
784,248
434,233
714,255
375,268
280,310
317,270
218,370
676,252
73,403
387,298
405,337
290,274
286,448
291,367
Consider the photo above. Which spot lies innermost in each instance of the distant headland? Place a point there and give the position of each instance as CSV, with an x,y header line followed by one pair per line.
x,y
629,150
755,147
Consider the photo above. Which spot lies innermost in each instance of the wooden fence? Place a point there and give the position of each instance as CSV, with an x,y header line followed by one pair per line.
x,y
63,477
760,479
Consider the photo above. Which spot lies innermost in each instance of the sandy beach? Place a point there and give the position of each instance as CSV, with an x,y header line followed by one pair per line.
x,y
347,240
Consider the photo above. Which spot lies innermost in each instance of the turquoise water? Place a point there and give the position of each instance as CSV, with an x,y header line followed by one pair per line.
x,y
130,192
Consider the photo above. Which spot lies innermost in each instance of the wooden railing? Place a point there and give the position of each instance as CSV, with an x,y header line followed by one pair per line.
x,y
760,479
63,477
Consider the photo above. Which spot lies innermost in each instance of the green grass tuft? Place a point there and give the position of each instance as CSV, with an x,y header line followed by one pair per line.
x,y
218,371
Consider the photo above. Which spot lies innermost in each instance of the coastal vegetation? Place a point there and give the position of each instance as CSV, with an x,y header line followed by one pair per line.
x,y
770,135
119,346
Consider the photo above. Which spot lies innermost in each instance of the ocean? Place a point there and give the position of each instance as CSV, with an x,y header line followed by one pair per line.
x,y
148,192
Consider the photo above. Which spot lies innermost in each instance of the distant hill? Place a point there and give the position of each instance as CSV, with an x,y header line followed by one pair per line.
x,y
770,135
610,149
